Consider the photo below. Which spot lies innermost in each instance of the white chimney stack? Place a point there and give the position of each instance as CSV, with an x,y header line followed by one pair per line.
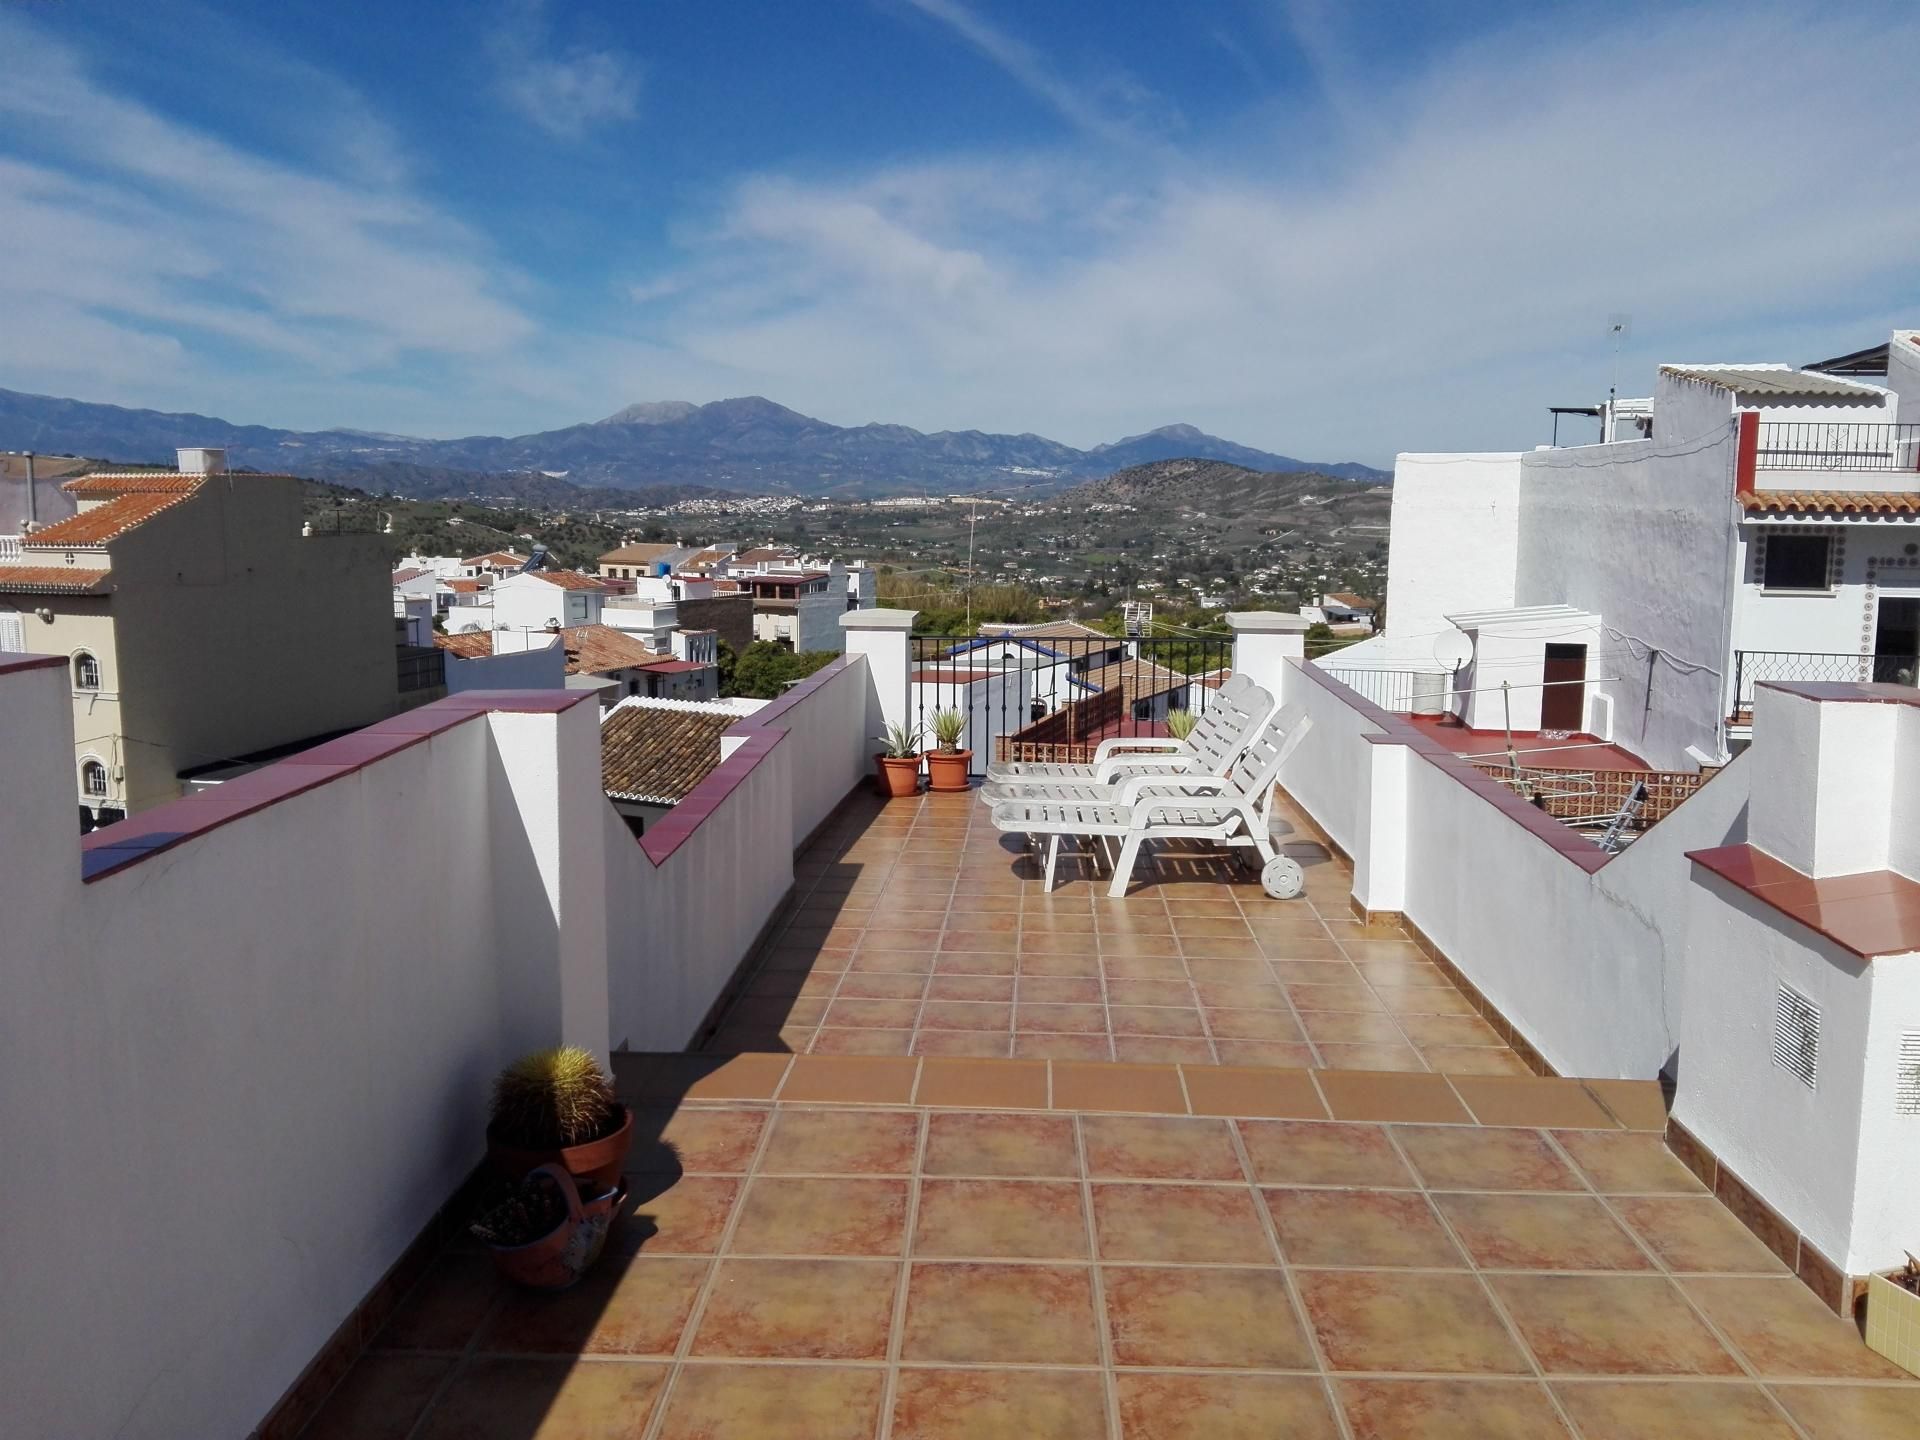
x,y
201,460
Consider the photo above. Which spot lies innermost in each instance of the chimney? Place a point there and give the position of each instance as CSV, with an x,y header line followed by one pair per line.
x,y
201,460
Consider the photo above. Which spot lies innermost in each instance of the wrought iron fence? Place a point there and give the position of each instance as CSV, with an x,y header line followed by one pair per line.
x,y
1403,692
1055,698
1751,667
1844,445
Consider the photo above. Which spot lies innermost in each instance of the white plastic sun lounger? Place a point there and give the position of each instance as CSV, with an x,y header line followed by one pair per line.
x,y
1219,738
1230,809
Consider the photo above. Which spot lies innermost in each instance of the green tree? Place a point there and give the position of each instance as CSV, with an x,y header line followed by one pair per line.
x,y
764,669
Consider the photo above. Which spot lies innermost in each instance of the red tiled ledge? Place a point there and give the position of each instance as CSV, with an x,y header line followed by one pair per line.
x,y
129,841
1869,914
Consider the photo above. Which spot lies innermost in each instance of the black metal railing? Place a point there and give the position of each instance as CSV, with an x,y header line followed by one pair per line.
x,y
1841,445
1752,667
1055,699
1402,692
420,667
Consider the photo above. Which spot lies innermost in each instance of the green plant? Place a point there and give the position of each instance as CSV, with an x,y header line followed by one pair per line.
x,y
948,727
1180,723
553,1098
898,742
529,1211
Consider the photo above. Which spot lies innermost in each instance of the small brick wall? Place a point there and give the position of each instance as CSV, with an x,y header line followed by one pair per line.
x,y
1665,789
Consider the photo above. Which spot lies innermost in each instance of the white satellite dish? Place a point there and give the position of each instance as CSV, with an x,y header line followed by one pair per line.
x,y
1452,649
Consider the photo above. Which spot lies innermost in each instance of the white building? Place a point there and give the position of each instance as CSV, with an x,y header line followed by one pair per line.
x,y
1765,527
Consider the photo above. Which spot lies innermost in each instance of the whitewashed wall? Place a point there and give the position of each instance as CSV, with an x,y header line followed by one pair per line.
x,y
1456,536
1842,623
540,669
240,1076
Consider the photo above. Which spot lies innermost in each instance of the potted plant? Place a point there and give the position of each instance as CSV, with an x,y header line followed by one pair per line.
x,y
1893,1315
1180,723
898,765
557,1107
947,763
541,1234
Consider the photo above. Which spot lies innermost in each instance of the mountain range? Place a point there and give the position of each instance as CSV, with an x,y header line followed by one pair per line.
x,y
651,450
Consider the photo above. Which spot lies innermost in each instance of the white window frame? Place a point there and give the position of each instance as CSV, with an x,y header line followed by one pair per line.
x,y
105,791
73,671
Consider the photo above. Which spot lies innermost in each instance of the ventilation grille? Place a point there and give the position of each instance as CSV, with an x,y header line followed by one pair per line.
x,y
1796,1034
1906,1086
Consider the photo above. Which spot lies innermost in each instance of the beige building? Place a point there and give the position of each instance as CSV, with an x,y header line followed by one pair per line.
x,y
199,623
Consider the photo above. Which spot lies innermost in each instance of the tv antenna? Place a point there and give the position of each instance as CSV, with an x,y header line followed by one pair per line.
x,y
1619,326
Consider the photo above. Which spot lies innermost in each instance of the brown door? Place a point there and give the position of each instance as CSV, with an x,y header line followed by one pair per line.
x,y
1564,705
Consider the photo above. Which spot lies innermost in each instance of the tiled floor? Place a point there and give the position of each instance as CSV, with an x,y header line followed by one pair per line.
x,y
917,928
819,1247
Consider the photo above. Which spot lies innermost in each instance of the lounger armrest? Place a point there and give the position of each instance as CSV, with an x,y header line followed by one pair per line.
x,y
1192,787
1116,768
1108,748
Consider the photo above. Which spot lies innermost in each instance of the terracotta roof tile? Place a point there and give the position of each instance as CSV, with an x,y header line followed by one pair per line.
x,y
568,579
1137,679
111,482
104,522
464,587
49,579
1832,502
595,649
638,554
659,752
469,645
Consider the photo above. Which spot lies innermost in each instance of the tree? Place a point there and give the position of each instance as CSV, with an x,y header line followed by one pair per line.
x,y
765,669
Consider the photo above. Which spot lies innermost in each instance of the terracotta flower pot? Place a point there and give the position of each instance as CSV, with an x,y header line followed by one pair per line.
x,y
597,1161
897,779
559,1258
947,770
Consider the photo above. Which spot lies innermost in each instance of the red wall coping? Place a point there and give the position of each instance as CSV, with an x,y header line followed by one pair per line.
x,y
759,733
1398,731
129,841
1869,914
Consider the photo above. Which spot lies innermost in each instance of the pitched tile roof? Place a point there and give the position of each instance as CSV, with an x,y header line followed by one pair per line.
x,y
465,587
468,645
1062,630
659,751
104,522
133,482
1832,502
496,558
638,554
1137,679
1351,601
595,649
401,577
49,579
568,579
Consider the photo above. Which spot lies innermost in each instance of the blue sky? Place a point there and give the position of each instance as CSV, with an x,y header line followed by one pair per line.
x,y
1334,230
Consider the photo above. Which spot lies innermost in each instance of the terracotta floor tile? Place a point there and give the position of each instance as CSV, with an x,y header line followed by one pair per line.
x,y
1001,1145
1142,967
1473,1060
965,1015
1626,1162
1152,1088
1319,995
380,1398
851,1079
1424,1000
1287,1152
822,1217
987,1314
1464,1158
1540,1232
1611,1325
1210,948
1163,1049
866,985
1079,965
983,1404
764,1402
1852,1412
1061,1019
1232,995
1783,1329
968,1044
1450,1030
799,1309
829,1041
1408,974
1450,1410
445,1307
1135,1147
979,941
915,942
1224,1407
1062,1047
983,1084
976,962
495,1399
1636,1104
1056,940
1060,990
1224,924
1179,1223
695,1140
885,1014
1203,1318
1400,1057
1362,1095
622,1307
1155,1020
1001,1220
686,1216
1254,1025
1295,947
1412,1321
1699,1411
668,1079
1229,971
1297,1056
1252,1090
1360,1227
1697,1233
1350,1027
841,1142
1537,1100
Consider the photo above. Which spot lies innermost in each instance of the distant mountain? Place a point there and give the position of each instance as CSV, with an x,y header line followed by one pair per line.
x,y
748,444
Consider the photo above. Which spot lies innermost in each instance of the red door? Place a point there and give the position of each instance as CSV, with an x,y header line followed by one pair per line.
x,y
1563,704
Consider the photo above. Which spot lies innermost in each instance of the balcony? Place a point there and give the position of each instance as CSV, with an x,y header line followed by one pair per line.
x,y
1757,667
1821,445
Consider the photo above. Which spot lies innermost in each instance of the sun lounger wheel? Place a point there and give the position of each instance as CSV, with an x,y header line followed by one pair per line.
x,y
1282,878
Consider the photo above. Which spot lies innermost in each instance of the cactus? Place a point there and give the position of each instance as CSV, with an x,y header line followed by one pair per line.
x,y
553,1098
948,727
1180,723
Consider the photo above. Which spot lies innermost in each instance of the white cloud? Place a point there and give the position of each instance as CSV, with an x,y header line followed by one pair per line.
x,y
566,93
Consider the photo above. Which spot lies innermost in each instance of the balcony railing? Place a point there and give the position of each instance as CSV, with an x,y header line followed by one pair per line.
x,y
1752,667
1820,445
9,547
1401,692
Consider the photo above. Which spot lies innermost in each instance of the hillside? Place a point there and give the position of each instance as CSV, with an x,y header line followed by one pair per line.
x,y
1187,486
749,445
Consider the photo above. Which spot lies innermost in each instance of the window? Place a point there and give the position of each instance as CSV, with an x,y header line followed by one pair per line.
x,y
93,780
86,672
1143,709
1797,562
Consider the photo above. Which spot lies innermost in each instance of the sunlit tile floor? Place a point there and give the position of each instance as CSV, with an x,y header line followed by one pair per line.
x,y
917,928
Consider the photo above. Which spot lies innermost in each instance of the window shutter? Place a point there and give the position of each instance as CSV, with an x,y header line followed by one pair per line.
x,y
1796,1034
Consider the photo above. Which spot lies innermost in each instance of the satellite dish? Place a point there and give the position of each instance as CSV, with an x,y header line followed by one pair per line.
x,y
1452,649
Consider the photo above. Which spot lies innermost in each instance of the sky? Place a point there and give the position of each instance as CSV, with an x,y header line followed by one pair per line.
x,y
1335,230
